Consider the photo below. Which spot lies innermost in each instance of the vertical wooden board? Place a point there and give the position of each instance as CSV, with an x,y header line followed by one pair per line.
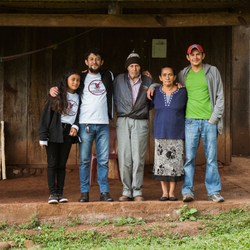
x,y
240,135
227,93
40,82
240,84
63,59
64,56
218,56
15,96
2,30
1,149
114,56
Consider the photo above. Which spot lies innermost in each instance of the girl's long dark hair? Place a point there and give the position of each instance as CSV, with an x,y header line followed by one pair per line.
x,y
59,103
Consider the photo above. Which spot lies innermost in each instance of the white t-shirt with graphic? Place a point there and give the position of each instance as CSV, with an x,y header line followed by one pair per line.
x,y
73,104
94,108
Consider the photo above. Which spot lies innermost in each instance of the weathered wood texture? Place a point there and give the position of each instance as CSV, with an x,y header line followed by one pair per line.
x,y
124,21
15,96
57,4
27,80
2,162
241,91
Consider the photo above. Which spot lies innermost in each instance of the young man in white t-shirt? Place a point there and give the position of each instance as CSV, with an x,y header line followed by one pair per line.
x,y
95,111
96,108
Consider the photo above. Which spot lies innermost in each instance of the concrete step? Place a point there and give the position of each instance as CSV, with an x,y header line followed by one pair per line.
x,y
97,211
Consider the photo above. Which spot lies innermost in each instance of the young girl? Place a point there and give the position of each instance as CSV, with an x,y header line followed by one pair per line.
x,y
58,131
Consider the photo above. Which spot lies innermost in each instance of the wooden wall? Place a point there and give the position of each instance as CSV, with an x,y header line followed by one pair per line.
x,y
26,81
241,91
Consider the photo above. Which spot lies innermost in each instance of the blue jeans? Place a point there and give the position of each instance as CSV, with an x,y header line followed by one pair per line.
x,y
99,133
195,128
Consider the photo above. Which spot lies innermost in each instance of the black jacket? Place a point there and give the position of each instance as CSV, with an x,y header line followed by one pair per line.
x,y
50,127
108,83
123,98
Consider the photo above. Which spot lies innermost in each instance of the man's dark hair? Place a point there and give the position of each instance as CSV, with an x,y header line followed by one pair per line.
x,y
95,51
167,66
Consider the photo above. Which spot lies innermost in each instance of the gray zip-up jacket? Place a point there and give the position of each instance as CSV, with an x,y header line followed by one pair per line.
x,y
215,90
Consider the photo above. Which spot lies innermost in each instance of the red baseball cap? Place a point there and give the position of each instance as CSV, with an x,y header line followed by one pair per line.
x,y
194,46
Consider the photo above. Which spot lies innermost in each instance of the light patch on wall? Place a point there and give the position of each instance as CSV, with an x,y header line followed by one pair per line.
x,y
159,48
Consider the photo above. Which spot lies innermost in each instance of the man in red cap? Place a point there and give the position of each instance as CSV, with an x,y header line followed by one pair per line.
x,y
204,112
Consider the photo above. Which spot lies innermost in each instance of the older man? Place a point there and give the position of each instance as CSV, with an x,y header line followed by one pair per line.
x,y
132,126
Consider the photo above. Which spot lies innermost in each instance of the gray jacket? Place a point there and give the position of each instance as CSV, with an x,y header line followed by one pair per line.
x,y
123,98
215,90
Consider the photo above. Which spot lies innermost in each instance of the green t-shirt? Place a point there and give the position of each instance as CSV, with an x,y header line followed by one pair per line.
x,y
198,104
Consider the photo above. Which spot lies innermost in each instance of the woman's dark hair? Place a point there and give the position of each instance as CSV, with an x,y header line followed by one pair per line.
x,y
167,66
60,103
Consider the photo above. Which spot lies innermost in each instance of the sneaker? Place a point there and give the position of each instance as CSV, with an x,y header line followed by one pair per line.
x,y
53,199
62,199
216,198
188,197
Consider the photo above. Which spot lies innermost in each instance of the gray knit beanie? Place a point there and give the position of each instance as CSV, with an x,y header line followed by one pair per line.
x,y
132,58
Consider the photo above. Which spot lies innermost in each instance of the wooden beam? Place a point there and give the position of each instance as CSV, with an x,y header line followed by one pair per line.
x,y
78,6
123,21
124,4
218,2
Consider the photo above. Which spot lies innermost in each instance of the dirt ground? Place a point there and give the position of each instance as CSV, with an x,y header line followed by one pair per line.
x,y
33,188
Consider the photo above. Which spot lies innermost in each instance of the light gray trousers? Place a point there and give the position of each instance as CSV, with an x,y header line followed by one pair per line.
x,y
132,137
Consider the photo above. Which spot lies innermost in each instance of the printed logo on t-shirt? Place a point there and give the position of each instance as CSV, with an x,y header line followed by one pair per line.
x,y
96,87
72,108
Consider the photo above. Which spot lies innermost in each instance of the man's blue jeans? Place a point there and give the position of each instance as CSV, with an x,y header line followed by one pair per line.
x,y
195,128
99,133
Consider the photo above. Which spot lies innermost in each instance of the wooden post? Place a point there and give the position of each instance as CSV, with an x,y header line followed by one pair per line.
x,y
3,152
1,101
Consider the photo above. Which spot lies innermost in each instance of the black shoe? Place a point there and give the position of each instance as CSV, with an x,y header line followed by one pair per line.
x,y
84,197
164,198
53,199
62,199
105,197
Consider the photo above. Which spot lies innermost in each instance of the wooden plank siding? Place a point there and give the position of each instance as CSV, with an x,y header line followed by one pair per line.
x,y
241,91
27,80
15,96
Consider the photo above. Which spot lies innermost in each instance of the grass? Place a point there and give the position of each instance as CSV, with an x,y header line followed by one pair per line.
x,y
229,230
128,221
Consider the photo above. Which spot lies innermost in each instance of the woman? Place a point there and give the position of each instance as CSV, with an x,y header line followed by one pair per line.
x,y
169,133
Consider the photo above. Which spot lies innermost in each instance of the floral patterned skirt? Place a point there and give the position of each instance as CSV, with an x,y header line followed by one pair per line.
x,y
168,164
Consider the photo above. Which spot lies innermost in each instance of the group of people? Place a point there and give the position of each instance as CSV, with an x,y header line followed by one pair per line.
x,y
78,110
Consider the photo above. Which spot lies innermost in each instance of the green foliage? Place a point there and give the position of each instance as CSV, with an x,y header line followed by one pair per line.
x,y
3,225
130,230
74,221
34,223
187,214
128,221
102,223
225,231
172,225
